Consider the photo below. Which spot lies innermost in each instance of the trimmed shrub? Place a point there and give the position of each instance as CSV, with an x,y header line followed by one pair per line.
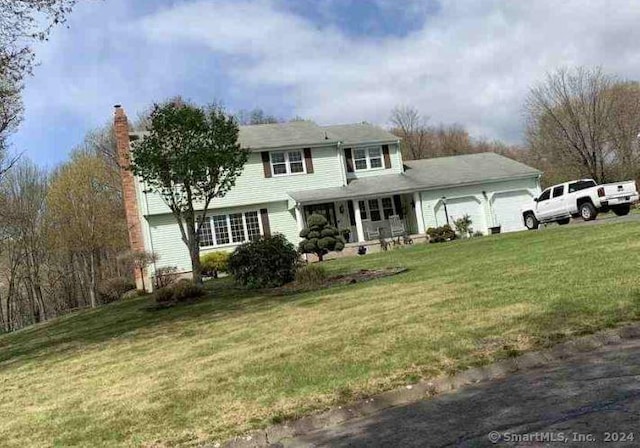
x,y
441,234
320,238
214,262
163,296
113,289
186,290
264,263
311,275
166,276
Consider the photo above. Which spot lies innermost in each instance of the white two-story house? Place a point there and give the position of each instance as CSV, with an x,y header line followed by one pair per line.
x,y
353,175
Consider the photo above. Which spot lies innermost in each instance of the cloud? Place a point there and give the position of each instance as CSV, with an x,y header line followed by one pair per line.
x,y
471,62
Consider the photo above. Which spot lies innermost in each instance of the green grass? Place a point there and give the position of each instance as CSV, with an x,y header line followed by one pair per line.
x,y
125,376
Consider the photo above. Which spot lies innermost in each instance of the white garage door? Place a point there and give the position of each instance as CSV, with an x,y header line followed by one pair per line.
x,y
507,207
457,208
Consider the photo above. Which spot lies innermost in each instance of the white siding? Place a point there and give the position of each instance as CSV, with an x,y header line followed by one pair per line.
x,y
166,240
253,188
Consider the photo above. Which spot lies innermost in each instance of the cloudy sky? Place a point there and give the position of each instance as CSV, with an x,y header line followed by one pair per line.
x,y
334,61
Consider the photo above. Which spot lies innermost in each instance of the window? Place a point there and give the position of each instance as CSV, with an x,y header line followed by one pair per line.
x,y
237,228
363,209
374,210
581,185
367,158
253,225
387,207
233,228
221,229
360,159
290,162
558,191
544,196
206,235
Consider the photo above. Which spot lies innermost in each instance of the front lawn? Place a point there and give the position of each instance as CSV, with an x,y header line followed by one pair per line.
x,y
125,376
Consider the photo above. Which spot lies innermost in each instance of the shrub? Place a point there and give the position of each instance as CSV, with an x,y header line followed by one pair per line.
x,y
182,291
113,289
166,276
264,263
441,234
463,226
311,275
186,290
477,233
320,238
214,262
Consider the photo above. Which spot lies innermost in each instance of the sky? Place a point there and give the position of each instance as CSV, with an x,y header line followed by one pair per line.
x,y
468,62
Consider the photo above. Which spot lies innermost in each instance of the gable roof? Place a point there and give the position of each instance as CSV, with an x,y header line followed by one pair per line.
x,y
426,174
351,134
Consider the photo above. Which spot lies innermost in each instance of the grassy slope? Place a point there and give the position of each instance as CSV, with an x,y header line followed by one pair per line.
x,y
124,376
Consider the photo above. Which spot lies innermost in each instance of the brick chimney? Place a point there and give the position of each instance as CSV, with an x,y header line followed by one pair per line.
x,y
136,242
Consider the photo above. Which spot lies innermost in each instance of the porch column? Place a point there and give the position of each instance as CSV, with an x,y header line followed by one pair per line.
x,y
419,216
359,228
299,218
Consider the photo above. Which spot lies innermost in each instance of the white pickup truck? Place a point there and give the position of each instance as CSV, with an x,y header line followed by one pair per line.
x,y
583,197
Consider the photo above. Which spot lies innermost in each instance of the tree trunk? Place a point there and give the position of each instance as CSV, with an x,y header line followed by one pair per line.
x,y
196,267
92,281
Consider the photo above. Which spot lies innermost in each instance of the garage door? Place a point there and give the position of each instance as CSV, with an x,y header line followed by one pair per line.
x,y
457,208
507,208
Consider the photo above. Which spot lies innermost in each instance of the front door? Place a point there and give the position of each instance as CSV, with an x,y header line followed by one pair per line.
x,y
328,210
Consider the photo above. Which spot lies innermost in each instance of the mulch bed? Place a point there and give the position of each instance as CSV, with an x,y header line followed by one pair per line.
x,y
363,275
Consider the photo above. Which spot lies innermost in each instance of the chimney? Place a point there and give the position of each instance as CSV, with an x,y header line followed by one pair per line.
x,y
134,226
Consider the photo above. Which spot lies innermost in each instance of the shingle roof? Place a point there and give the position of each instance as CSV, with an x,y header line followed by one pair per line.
x,y
440,172
350,134
300,133
264,136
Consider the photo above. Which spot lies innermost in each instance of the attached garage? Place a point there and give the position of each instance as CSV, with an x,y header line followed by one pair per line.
x,y
506,209
456,208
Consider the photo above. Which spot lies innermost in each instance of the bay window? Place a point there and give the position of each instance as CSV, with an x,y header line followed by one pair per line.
x,y
219,230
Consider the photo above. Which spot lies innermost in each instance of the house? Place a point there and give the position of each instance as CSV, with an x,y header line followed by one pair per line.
x,y
353,175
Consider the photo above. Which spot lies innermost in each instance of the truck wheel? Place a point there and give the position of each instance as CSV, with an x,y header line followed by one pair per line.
x,y
564,221
588,211
621,210
530,221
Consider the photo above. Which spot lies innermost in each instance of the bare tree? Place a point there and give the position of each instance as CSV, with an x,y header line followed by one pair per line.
x,y
409,125
569,116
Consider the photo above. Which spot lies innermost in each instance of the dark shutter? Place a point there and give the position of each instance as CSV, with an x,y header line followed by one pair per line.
x,y
352,213
308,161
397,202
385,154
349,156
264,217
266,164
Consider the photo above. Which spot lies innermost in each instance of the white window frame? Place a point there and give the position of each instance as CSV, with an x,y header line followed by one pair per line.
x,y
228,223
380,208
287,163
367,157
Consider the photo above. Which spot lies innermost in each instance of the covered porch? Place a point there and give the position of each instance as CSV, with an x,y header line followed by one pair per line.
x,y
367,218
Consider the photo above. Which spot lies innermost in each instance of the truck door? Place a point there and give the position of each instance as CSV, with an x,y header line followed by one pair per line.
x,y
542,205
557,203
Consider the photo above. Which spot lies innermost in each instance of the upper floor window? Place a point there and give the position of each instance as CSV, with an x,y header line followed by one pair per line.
x,y
367,158
219,230
287,162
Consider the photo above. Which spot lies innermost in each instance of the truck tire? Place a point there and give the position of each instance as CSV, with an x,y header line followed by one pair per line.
x,y
588,211
621,210
530,221
564,221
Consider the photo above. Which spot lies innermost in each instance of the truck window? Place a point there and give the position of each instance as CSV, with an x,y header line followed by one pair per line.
x,y
544,196
558,191
581,185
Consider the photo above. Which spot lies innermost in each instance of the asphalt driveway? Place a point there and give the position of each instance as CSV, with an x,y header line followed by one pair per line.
x,y
592,399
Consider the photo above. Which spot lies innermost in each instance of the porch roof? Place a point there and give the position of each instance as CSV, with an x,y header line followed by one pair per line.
x,y
427,174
